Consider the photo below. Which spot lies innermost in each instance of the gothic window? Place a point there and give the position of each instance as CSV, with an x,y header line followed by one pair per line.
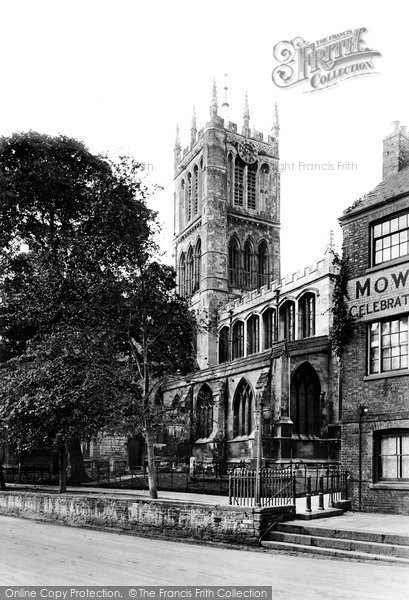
x,y
305,401
182,275
248,265
234,262
263,266
195,190
197,266
253,335
251,185
238,181
230,175
269,327
238,340
306,308
224,345
264,179
182,198
189,197
189,272
243,409
287,319
204,412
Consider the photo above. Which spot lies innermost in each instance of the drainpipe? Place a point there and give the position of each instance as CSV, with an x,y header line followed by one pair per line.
x,y
361,411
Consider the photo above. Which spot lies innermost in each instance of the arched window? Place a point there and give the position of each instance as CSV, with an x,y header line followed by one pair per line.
x,y
195,190
204,412
189,271
234,262
287,321
182,275
251,185
248,265
243,409
197,266
269,327
305,401
253,335
189,197
238,339
230,176
306,309
224,345
238,181
264,178
263,266
182,199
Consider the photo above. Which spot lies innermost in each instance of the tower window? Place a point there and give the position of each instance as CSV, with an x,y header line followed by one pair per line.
x,y
197,266
238,340
196,190
189,197
253,335
238,182
189,272
234,263
230,173
263,267
182,275
251,186
248,265
265,170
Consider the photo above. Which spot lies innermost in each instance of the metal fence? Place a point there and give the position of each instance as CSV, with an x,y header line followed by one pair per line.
x,y
30,475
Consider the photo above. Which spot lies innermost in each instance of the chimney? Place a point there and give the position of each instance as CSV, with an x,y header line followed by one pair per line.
x,y
395,151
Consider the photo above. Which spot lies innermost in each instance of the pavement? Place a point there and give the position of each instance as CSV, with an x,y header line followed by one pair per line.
x,y
352,521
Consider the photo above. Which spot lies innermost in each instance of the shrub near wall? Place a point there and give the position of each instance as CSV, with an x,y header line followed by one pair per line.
x,y
160,518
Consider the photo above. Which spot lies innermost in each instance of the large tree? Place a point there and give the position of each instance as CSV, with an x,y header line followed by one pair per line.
x,y
89,322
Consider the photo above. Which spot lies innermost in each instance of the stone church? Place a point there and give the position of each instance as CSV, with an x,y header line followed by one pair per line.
x,y
263,348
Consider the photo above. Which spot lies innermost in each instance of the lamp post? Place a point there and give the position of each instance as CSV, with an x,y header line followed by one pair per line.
x,y
259,450
361,411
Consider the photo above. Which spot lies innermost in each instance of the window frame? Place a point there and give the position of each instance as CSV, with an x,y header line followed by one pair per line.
x,y
381,347
373,239
379,436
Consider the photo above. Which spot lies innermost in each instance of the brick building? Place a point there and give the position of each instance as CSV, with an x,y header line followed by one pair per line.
x,y
264,340
375,374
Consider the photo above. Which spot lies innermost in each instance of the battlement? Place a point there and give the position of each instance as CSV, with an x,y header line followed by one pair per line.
x,y
289,285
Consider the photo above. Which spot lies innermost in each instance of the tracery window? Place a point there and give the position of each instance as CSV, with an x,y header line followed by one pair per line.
x,y
269,327
234,262
243,409
253,334
306,309
238,181
263,266
305,401
224,345
251,185
238,340
204,412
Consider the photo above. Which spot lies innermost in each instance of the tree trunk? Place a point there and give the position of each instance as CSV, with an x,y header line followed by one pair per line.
x,y
153,484
2,482
62,461
78,475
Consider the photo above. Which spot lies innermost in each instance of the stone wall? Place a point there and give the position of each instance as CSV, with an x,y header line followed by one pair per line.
x,y
240,525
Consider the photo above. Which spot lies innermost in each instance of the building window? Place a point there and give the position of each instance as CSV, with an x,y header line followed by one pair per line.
x,y
182,275
269,327
238,339
251,186
392,449
196,190
230,174
243,409
388,345
306,309
262,267
287,318
224,345
234,262
189,197
264,181
390,239
238,182
248,265
305,401
204,412
197,266
189,272
253,335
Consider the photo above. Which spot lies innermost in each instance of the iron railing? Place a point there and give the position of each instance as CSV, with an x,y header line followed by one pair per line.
x,y
277,487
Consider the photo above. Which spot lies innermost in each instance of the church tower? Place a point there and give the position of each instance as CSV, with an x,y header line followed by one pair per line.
x,y
227,216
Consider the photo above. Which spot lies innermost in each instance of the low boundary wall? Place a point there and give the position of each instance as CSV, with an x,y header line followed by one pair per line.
x,y
161,518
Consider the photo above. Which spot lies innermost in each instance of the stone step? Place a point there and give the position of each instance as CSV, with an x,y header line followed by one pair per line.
x,y
337,543
327,532
331,552
319,514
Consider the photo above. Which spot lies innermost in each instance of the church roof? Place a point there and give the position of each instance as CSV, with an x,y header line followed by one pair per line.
x,y
388,189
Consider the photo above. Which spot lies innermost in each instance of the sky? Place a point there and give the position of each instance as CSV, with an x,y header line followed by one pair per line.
x,y
121,74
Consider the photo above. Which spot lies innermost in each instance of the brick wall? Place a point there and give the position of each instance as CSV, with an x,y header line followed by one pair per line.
x,y
147,517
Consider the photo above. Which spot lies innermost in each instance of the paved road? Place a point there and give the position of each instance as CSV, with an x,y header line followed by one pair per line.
x,y
33,553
